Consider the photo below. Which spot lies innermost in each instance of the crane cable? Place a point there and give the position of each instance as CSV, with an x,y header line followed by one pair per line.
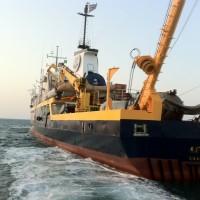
x,y
190,90
132,68
192,10
184,25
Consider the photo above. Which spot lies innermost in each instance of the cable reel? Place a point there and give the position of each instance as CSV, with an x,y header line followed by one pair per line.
x,y
146,63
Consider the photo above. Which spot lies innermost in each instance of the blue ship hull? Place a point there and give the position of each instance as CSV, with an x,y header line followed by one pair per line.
x,y
159,150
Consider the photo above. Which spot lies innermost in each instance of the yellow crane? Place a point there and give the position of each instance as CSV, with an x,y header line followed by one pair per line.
x,y
149,98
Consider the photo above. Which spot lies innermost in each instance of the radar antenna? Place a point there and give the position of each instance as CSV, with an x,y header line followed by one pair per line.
x,y
88,8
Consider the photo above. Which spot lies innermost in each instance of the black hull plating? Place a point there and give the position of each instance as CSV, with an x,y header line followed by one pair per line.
x,y
174,143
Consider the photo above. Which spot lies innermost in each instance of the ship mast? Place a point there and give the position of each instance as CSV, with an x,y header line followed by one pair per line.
x,y
88,8
56,57
152,66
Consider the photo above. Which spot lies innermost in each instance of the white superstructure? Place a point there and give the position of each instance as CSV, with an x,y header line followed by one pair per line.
x,y
85,61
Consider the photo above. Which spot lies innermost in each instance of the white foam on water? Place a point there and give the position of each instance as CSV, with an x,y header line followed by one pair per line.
x,y
53,174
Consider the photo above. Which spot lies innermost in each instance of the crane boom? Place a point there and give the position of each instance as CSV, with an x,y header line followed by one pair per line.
x,y
161,52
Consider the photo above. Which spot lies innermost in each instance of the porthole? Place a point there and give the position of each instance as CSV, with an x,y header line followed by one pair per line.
x,y
90,126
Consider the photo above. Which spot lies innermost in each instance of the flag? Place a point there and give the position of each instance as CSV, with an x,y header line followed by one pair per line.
x,y
111,72
92,7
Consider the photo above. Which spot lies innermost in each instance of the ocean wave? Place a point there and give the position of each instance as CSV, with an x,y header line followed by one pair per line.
x,y
51,173
19,129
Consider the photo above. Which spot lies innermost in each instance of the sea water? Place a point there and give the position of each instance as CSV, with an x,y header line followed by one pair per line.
x,y
31,170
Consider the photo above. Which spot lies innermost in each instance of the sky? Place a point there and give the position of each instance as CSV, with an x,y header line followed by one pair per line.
x,y
31,29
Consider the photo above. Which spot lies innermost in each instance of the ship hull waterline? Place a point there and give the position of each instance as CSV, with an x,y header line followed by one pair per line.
x,y
150,168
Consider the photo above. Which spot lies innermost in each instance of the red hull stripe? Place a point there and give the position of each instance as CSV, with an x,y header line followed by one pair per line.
x,y
157,169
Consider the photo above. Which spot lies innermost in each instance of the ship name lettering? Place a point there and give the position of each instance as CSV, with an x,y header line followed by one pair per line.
x,y
194,150
194,158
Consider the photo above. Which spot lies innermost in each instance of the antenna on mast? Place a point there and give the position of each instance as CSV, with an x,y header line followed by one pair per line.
x,y
88,8
56,57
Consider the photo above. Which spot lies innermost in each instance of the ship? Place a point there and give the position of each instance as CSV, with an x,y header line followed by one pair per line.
x,y
142,133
